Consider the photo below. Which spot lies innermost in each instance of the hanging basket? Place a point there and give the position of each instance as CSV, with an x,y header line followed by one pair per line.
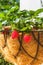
x,y
17,52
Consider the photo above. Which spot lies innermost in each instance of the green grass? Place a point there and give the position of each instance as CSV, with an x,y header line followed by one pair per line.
x,y
3,62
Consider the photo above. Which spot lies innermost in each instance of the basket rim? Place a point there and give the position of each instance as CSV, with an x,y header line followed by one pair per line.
x,y
35,30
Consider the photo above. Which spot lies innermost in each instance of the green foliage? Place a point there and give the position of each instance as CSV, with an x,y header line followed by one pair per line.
x,y
3,62
38,11
20,20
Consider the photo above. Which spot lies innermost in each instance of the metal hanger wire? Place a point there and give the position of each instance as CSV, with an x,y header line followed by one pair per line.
x,y
41,3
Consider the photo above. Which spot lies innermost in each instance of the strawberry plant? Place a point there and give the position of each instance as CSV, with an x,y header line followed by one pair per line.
x,y
20,21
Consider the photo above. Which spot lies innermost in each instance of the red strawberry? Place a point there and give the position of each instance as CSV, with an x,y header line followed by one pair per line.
x,y
14,34
27,38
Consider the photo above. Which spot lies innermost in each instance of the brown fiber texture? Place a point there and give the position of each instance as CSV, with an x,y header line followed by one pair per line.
x,y
12,47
